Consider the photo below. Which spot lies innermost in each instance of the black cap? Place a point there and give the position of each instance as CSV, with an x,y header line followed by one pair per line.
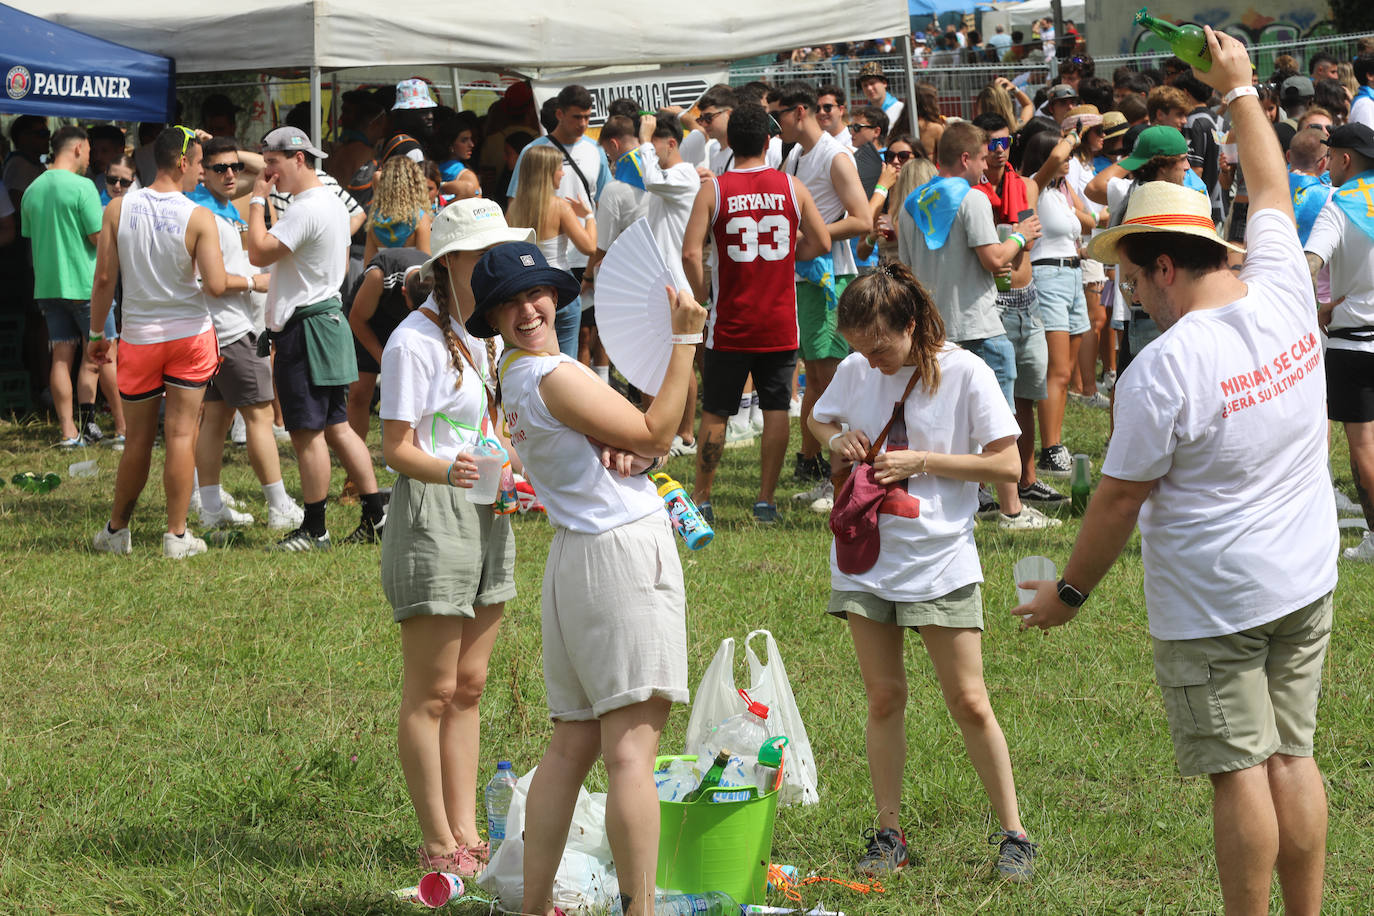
x,y
1355,137
509,269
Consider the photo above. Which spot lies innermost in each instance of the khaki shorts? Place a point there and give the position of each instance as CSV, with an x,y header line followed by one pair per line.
x,y
1235,700
1093,272
614,620
960,609
443,555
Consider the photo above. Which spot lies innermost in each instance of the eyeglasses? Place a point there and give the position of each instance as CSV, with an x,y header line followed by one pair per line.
x,y
856,127
706,117
774,128
121,182
1129,286
187,135
999,144
898,156
219,168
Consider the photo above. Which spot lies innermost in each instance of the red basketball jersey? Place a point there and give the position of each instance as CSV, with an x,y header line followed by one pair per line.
x,y
755,235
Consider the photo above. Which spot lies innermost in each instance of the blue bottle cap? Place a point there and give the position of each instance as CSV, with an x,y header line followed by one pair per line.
x,y
503,765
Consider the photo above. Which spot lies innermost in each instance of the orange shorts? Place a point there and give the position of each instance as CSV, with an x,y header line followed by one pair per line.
x,y
145,370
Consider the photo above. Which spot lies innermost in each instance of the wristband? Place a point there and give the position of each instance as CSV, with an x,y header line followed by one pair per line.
x,y
880,189
93,336
830,443
1019,239
260,201
448,477
688,338
1239,91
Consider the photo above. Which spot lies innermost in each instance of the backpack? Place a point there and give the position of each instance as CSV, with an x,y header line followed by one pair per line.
x,y
360,185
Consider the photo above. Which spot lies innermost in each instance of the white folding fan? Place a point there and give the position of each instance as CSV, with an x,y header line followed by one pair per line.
x,y
632,309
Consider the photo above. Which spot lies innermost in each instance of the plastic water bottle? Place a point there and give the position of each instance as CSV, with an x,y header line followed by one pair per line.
x,y
710,903
686,517
747,731
1080,484
499,793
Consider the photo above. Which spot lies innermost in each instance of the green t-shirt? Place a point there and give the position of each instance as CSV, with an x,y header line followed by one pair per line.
x,y
60,209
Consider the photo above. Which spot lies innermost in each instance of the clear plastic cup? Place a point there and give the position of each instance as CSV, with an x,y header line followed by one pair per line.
x,y
1032,569
489,459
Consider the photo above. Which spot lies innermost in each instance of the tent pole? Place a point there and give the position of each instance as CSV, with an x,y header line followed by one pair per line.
x,y
912,119
457,93
315,93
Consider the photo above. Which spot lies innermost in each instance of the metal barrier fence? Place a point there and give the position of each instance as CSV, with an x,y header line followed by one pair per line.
x,y
958,86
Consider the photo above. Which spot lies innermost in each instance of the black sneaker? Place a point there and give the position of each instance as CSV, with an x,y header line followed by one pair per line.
x,y
1055,461
707,512
300,540
366,533
806,469
92,432
1015,856
988,507
766,513
885,854
1039,493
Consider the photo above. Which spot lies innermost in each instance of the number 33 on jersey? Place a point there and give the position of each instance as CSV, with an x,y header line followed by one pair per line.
x,y
754,230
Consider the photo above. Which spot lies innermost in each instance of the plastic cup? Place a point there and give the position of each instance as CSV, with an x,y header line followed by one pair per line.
x,y
438,888
1032,569
489,460
82,469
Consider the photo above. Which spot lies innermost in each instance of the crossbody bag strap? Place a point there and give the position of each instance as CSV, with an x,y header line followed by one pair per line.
x,y
573,162
882,436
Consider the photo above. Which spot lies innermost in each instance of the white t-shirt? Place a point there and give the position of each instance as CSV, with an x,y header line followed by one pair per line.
x,y
1059,225
965,292
927,536
315,230
1362,112
621,204
232,313
1227,410
1349,252
578,493
813,170
671,193
696,148
281,201
417,382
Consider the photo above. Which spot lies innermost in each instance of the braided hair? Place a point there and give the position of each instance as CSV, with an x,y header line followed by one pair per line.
x,y
446,297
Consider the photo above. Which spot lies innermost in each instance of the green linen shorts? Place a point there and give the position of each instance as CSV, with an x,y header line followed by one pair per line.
x,y
960,609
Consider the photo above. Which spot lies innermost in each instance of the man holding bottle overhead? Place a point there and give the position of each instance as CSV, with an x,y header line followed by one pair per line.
x,y
1238,534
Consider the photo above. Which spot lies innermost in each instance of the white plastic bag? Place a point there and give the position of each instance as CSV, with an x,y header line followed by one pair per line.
x,y
717,698
586,876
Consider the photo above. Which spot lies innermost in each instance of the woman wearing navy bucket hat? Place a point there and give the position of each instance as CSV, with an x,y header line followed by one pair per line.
x,y
613,609
448,565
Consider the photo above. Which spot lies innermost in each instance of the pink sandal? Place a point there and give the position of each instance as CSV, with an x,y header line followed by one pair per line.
x,y
460,862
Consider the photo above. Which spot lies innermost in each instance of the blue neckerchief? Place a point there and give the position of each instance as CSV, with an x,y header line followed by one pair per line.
x,y
1366,92
225,211
629,168
1309,196
821,272
1100,162
1190,180
870,261
933,207
451,169
1356,200
889,101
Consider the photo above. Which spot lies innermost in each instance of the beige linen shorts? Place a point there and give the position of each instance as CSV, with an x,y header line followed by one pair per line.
x,y
1235,700
960,609
614,619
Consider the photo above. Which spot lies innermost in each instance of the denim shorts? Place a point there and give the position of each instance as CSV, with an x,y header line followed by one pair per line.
x,y
1063,307
1021,321
69,320
1000,355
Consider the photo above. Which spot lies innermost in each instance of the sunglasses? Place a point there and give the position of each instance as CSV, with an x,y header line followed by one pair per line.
x,y
899,156
999,144
219,168
856,127
121,182
706,117
187,135
827,107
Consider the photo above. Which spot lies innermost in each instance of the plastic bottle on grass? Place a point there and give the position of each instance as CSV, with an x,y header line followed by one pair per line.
x,y
710,903
499,793
747,731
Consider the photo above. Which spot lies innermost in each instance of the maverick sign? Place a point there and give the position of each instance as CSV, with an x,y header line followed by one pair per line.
x,y
649,89
54,71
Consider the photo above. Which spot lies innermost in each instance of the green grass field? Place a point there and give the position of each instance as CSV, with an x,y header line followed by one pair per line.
x,y
218,736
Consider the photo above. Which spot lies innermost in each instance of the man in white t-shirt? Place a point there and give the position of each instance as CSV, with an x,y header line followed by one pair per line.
x,y
307,250
1342,238
1362,108
1238,525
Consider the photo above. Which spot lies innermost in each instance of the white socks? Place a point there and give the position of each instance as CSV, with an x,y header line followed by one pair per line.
x,y
210,499
275,494
604,373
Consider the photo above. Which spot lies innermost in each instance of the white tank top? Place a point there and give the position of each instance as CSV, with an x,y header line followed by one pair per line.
x,y
555,250
813,170
232,313
1059,225
162,300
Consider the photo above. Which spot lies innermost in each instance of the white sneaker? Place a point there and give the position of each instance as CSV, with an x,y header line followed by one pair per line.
x,y
280,433
179,548
1363,551
285,519
1028,519
681,448
756,417
228,498
1345,505
1096,400
794,409
738,431
238,432
107,541
814,493
1108,382
227,515
822,504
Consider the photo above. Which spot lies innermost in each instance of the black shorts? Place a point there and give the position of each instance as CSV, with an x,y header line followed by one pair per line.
x,y
1349,385
304,405
723,373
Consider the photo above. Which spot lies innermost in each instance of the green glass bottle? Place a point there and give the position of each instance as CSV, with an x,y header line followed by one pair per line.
x,y
1080,484
712,777
1189,42
48,482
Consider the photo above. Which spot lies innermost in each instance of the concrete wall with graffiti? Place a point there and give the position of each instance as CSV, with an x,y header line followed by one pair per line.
x,y
1111,30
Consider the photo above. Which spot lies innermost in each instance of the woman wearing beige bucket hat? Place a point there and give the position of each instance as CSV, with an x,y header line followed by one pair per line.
x,y
447,563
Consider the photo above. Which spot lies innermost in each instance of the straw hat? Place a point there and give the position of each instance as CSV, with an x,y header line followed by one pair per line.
x,y
1160,206
1084,116
1113,124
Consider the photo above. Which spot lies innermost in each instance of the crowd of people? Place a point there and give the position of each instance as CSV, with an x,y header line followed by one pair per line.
x,y
955,44
945,285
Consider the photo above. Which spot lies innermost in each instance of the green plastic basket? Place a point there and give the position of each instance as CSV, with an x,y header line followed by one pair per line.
x,y
716,846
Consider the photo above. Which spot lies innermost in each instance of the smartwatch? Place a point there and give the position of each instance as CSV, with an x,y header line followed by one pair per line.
x,y
1070,595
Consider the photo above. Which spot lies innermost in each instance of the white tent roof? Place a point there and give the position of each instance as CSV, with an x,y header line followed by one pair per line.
x,y
334,34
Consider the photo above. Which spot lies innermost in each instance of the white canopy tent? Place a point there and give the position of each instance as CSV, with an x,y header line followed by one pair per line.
x,y
1009,15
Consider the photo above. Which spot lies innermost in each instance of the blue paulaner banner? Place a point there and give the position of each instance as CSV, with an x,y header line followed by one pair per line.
x,y
55,71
